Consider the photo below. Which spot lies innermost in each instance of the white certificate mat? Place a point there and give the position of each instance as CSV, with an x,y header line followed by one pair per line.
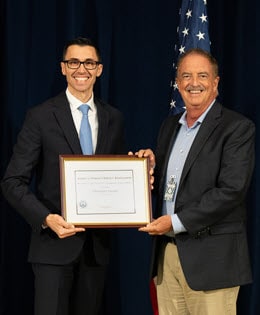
x,y
105,191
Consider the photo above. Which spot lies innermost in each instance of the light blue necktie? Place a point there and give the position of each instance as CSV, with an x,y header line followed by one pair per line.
x,y
85,135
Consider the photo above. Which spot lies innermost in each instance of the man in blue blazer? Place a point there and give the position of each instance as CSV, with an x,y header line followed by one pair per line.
x,y
69,262
204,163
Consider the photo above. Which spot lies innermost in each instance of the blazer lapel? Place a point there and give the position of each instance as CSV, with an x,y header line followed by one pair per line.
x,y
209,124
64,119
103,119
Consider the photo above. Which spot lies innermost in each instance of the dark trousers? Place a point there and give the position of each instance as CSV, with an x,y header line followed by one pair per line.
x,y
73,289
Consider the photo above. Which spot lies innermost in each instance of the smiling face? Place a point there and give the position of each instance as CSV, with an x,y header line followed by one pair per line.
x,y
81,81
197,83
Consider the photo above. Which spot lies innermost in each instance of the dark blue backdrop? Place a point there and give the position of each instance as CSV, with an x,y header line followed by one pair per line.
x,y
136,39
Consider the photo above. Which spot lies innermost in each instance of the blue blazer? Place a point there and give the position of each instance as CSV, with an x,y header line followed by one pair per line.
x,y
211,198
47,132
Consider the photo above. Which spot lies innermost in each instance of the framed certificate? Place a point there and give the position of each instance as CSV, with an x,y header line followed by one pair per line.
x,y
105,191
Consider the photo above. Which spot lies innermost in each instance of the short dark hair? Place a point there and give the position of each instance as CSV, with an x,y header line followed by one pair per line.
x,y
81,41
201,52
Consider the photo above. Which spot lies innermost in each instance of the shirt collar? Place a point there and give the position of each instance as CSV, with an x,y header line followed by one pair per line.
x,y
183,121
75,103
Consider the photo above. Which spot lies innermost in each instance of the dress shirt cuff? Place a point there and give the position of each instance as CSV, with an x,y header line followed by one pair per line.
x,y
44,225
177,225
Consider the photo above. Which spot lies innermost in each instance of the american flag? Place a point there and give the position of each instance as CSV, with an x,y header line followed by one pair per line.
x,y
192,33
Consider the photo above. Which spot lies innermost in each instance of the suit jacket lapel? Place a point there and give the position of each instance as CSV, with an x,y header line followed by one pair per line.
x,y
64,119
103,118
209,124
174,132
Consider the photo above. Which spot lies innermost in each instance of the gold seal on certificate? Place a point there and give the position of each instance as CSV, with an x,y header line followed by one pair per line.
x,y
105,191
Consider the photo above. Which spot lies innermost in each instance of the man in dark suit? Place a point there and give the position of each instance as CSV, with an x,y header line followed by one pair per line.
x,y
204,163
69,262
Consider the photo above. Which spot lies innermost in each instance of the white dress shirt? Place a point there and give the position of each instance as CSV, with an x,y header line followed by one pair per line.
x,y
77,115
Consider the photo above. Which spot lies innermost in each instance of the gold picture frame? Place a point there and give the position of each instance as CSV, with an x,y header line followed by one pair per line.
x,y
105,190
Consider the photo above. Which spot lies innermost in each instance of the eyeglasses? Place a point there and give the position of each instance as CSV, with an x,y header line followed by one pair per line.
x,y
89,64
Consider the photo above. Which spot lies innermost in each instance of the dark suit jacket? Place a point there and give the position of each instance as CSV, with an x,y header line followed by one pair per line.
x,y
211,198
49,131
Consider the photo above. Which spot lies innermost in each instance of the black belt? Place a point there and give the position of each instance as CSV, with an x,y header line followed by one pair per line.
x,y
169,239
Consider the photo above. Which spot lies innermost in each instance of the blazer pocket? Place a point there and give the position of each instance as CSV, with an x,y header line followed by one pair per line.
x,y
227,228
